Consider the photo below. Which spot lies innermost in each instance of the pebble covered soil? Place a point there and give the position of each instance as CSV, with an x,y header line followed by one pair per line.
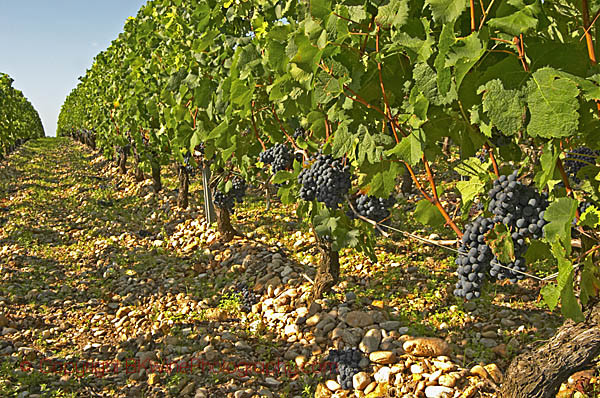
x,y
109,290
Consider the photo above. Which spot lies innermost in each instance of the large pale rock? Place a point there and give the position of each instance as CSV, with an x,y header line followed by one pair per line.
x,y
426,347
291,329
438,392
371,341
333,385
361,380
383,375
359,319
448,380
314,319
382,357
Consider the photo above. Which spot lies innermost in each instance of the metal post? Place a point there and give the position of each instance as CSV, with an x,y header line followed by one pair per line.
x,y
209,208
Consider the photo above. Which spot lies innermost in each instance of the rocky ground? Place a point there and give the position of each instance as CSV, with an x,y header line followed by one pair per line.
x,y
111,290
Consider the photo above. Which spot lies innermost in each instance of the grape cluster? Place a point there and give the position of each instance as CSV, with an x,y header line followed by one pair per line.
x,y
518,206
521,209
280,157
346,365
224,201
236,193
238,189
577,159
327,180
299,132
145,138
187,164
371,207
582,207
483,155
474,260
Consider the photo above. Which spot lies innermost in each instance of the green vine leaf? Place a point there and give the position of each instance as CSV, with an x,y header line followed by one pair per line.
x,y
553,104
427,214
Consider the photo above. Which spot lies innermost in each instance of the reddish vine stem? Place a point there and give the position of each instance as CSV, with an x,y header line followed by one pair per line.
x,y
436,199
256,130
521,49
501,40
285,132
115,123
349,20
485,13
585,12
417,183
591,24
493,159
472,5
482,9
385,99
388,110
364,45
358,98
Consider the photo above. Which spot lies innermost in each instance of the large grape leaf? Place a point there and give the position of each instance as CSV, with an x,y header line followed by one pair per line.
x,y
410,149
537,251
516,17
444,74
589,280
446,11
427,214
465,53
343,140
409,40
553,104
426,81
563,289
560,215
394,13
548,163
320,8
381,177
504,107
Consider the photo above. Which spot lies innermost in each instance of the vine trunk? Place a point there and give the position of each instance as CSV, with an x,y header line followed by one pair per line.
x,y
540,373
328,272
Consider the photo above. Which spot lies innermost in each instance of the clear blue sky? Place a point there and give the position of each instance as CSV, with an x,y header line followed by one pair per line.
x,y
45,45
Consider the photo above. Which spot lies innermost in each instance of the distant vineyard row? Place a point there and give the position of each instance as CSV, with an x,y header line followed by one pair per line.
x,y
19,121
